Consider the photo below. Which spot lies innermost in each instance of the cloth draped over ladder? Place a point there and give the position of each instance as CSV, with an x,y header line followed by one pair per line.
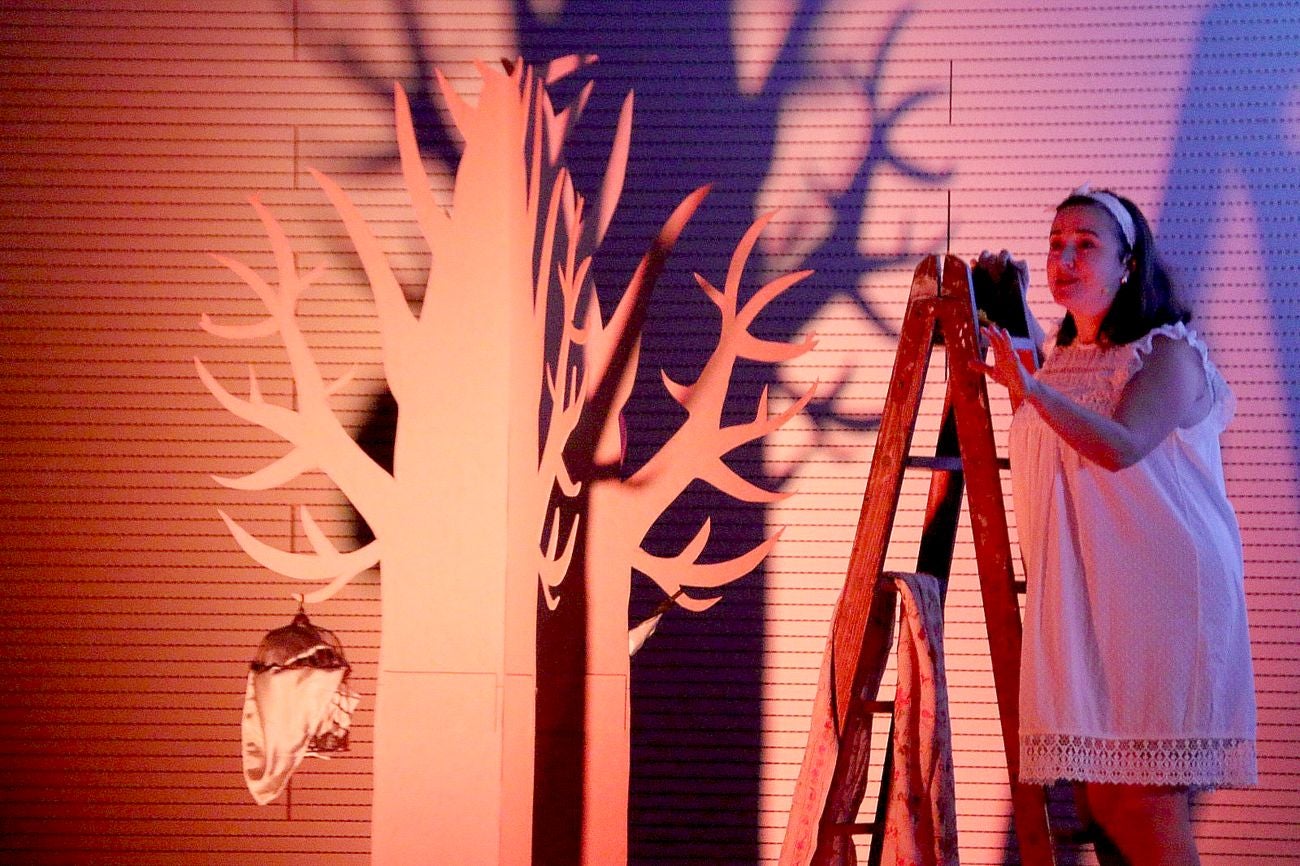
x,y
921,821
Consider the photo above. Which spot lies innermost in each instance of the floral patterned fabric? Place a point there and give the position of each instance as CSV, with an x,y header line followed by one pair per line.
x,y
921,821
920,825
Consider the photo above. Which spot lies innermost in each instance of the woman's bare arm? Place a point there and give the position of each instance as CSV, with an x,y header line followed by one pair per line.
x,y
1169,391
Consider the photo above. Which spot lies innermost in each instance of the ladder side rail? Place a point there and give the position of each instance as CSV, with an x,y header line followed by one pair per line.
x,y
956,316
884,481
943,504
848,784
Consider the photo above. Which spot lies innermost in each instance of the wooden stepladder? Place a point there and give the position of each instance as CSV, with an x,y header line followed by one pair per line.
x,y
941,308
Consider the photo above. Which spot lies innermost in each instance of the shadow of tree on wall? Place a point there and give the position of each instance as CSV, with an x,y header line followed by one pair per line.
x,y
696,750
1232,148
1229,142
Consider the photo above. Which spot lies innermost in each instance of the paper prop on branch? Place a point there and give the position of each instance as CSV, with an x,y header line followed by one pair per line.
x,y
508,386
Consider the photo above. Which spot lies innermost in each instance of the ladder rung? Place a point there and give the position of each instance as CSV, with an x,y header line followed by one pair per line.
x,y
851,829
945,463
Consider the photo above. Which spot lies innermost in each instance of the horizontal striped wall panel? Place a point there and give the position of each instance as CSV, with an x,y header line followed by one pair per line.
x,y
131,138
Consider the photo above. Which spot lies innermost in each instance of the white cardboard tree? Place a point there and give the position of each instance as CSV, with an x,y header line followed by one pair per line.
x,y
507,432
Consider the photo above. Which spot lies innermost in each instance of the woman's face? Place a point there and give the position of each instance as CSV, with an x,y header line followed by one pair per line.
x,y
1084,261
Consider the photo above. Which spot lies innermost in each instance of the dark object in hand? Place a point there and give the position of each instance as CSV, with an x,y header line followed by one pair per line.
x,y
1000,299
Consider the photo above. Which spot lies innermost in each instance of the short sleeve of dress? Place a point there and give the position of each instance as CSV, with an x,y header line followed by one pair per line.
x,y
1224,401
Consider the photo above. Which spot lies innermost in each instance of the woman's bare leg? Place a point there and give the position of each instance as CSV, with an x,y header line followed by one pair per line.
x,y
1150,824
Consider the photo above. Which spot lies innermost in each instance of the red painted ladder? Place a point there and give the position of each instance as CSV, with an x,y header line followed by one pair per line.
x,y
941,308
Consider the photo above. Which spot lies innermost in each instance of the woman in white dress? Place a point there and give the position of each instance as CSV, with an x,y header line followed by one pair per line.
x,y
1136,679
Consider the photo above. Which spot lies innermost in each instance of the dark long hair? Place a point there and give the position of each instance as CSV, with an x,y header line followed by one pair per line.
x,y
1146,300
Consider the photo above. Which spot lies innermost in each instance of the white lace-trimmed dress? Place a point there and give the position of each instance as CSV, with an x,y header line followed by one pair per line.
x,y
1136,660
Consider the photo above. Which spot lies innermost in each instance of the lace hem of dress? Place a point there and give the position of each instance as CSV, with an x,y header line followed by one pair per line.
x,y
1206,762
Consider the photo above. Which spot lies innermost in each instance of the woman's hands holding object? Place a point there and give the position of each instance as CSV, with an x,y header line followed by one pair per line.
x,y
996,268
997,265
1006,368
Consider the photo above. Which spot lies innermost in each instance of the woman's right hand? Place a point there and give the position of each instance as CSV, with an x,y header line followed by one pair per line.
x,y
1006,369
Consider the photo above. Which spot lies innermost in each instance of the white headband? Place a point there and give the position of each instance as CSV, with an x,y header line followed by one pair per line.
x,y
1114,207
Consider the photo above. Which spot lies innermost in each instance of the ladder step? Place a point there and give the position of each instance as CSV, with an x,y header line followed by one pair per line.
x,y
944,463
